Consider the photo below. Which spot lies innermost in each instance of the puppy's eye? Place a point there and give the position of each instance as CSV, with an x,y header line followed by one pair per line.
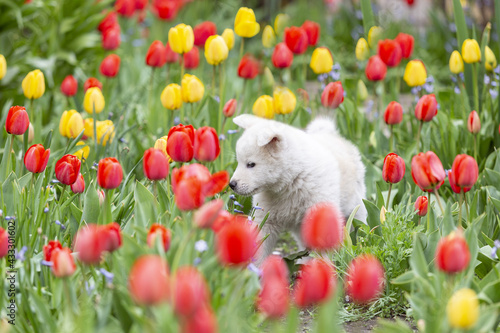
x,y
250,165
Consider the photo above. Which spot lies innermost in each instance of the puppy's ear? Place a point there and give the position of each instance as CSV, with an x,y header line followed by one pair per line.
x,y
246,120
271,138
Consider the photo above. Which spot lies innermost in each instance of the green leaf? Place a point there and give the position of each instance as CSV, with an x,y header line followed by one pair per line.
x,y
373,218
91,207
417,259
368,18
144,205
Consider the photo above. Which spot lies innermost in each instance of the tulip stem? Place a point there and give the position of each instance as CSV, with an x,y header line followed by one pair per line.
x,y
389,195
240,99
221,87
429,211
391,139
475,147
94,129
418,134
62,193
460,200
8,156
107,206
213,79
242,47
305,69
475,85
439,201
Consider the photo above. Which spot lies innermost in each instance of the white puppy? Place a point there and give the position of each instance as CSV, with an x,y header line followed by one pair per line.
x,y
288,170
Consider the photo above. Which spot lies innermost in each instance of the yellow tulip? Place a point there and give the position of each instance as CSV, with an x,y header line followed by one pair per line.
x,y
71,124
490,59
105,130
161,144
362,50
34,84
245,24
3,66
284,100
216,50
82,153
415,73
362,92
268,37
463,309
280,23
171,97
456,63
321,60
93,100
181,38
192,89
263,107
471,53
228,35
374,35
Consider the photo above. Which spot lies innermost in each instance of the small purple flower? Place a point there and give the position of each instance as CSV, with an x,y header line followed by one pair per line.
x,y
238,211
8,218
486,79
63,227
46,210
201,246
236,203
252,268
20,254
177,121
457,90
89,288
54,181
47,263
495,249
257,207
108,275
217,98
197,261
232,197
232,131
493,93
222,137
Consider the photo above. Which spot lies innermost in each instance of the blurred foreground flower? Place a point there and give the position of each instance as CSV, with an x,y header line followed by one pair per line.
x,y
463,309
3,66
323,227
149,280
164,234
236,242
452,253
365,279
264,107
317,281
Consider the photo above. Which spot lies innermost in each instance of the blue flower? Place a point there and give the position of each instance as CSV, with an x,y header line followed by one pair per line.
x,y
108,275
201,246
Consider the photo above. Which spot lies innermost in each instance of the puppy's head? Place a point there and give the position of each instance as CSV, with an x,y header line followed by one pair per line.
x,y
259,153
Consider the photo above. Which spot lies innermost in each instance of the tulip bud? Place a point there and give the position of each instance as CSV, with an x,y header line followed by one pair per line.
x,y
34,84
427,171
393,113
181,38
390,52
264,107
471,53
102,196
157,230
36,158
149,280
321,60
67,169
464,173
166,9
323,227
216,50
230,108
206,144
456,63
109,21
312,30
63,264
245,24
415,73
79,185
125,8
249,67
365,279
71,124
3,66
202,31
490,59
333,95
463,309
284,100
228,35
296,39
394,168
375,69
155,164
111,38
82,153
17,121
157,54
110,65
474,123
161,145
180,143
452,253
93,100
426,108
191,58
189,291
316,283
282,56
280,23
268,37
171,97
236,242
361,91
421,205
88,244
4,243
406,42
192,89
109,173
92,82
374,35
69,86
362,50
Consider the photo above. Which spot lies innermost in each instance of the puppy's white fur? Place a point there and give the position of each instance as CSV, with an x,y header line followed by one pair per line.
x,y
295,169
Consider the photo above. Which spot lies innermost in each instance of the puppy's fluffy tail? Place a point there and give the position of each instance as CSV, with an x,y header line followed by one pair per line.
x,y
322,124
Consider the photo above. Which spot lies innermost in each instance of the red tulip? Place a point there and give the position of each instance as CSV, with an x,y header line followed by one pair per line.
x,y
282,56
203,321
108,22
249,67
236,242
323,227
180,143
390,52
365,279
157,54
274,298
405,42
206,144
427,171
222,219
217,182
109,173
17,121
394,168
92,82
421,205
157,230
67,169
189,195
393,113
208,213
192,171
149,280
110,65
155,164
189,291
36,158
4,243
110,236
191,58
296,39
111,38
49,248
333,95
165,9
452,253
274,267
141,4
426,108
69,86
125,7
173,57
474,123
230,107
202,31
316,283
375,69
63,264
312,30
79,185
464,173
88,244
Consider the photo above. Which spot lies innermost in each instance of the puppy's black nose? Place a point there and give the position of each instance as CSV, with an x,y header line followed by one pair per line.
x,y
233,184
